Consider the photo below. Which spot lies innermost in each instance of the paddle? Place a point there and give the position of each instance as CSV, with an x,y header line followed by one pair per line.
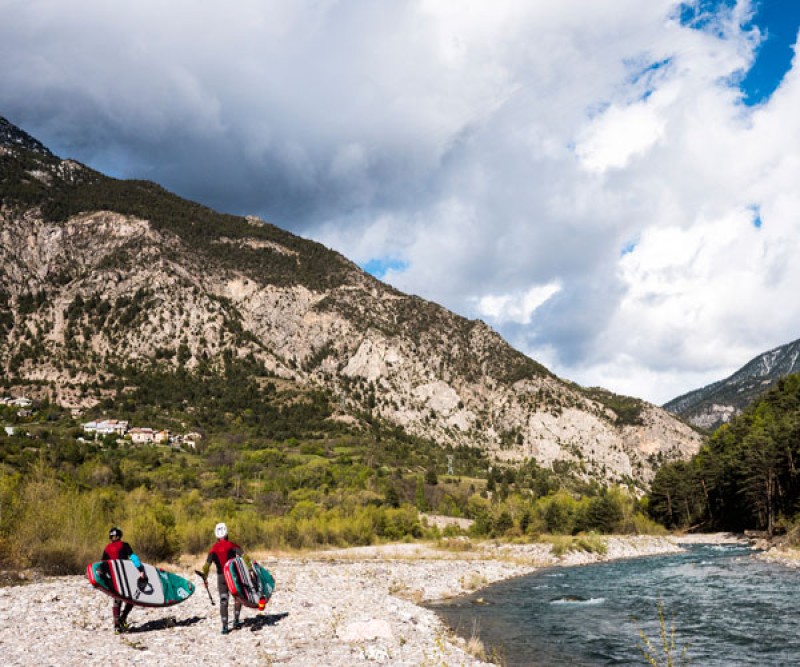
x,y
205,583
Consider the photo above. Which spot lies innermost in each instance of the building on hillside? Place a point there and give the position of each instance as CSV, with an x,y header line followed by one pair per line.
x,y
141,435
20,402
191,439
106,427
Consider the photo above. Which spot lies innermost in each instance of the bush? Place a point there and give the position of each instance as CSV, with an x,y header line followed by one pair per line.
x,y
559,513
58,528
644,525
196,537
63,556
604,513
589,543
153,535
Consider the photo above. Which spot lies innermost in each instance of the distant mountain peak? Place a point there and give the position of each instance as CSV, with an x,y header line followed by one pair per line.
x,y
14,137
713,405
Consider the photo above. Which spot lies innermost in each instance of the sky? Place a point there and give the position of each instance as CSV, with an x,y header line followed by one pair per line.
x,y
612,185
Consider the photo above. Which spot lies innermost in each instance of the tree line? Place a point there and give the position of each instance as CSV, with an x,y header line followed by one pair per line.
x,y
745,477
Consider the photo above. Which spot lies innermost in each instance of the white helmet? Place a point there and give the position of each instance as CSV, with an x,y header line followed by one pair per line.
x,y
221,531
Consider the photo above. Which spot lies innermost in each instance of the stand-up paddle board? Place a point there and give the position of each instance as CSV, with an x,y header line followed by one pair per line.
x,y
252,587
120,579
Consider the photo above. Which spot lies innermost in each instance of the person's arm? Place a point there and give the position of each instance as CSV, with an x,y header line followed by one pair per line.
x,y
211,558
133,558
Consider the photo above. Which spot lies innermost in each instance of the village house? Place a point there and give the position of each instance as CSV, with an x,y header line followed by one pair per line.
x,y
19,402
143,435
191,439
106,427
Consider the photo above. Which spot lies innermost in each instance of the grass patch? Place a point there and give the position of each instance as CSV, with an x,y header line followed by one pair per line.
x,y
589,543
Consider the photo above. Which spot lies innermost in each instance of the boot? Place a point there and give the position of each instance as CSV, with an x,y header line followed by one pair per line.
x,y
122,623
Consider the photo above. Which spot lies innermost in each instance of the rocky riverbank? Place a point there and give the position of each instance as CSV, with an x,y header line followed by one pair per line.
x,y
339,608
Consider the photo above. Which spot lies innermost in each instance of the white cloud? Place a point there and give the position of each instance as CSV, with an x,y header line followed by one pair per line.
x,y
597,150
619,135
518,308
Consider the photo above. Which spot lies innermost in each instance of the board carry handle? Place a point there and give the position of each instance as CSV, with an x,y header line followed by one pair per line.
x,y
205,583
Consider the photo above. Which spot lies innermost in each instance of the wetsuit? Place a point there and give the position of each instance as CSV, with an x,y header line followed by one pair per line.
x,y
222,551
119,550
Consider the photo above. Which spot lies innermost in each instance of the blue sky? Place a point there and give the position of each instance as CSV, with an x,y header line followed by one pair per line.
x,y
776,20
611,185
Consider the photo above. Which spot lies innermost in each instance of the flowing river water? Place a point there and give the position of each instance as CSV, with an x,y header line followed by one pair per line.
x,y
727,608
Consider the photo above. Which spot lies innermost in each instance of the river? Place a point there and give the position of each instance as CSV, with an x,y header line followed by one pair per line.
x,y
727,608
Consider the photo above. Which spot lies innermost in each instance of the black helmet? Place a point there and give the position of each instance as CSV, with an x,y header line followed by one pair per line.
x,y
114,532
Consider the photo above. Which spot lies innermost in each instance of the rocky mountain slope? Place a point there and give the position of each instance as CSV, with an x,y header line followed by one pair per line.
x,y
98,273
715,404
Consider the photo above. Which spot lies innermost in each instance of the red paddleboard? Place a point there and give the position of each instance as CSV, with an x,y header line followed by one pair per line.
x,y
251,586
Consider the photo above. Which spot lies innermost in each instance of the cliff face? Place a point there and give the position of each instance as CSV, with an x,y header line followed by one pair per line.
x,y
98,273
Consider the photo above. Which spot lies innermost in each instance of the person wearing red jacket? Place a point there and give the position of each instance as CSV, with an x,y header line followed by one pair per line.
x,y
222,551
116,549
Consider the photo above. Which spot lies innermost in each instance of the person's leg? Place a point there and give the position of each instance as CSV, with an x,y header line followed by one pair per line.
x,y
115,612
237,610
123,619
222,589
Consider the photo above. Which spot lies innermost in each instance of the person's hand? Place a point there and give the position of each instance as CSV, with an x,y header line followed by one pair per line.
x,y
142,575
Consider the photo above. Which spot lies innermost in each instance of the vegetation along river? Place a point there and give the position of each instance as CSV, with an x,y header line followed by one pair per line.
x,y
728,607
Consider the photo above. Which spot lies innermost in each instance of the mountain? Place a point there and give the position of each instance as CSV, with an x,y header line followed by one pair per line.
x,y
100,274
13,137
715,404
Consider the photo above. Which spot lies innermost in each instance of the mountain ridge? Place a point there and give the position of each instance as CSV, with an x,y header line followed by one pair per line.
x,y
715,404
99,272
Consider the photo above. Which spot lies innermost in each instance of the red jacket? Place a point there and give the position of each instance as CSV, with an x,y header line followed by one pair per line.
x,y
117,550
222,551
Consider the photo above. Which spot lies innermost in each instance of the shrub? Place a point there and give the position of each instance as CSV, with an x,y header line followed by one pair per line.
x,y
644,525
559,513
589,543
196,537
63,556
58,528
153,535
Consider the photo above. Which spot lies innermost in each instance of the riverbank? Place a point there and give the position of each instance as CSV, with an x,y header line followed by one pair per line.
x,y
786,556
357,606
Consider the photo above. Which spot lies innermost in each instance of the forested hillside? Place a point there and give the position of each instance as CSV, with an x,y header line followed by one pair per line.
x,y
278,462
745,477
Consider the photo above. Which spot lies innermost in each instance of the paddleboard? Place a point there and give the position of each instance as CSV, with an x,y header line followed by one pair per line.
x,y
252,587
120,579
